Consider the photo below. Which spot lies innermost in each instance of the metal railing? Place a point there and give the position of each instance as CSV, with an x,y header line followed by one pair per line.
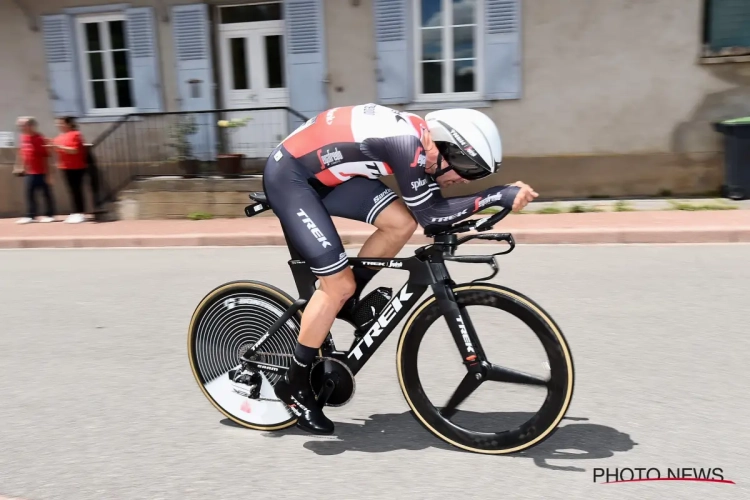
x,y
187,143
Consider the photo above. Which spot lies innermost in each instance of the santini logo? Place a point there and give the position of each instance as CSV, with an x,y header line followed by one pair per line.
x,y
393,307
381,195
314,229
331,157
418,184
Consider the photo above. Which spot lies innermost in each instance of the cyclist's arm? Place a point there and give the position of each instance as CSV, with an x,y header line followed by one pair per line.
x,y
422,194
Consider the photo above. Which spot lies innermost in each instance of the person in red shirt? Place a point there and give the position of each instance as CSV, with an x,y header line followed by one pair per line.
x,y
71,160
33,163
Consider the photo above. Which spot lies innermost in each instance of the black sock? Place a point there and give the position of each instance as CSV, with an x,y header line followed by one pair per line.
x,y
362,276
303,358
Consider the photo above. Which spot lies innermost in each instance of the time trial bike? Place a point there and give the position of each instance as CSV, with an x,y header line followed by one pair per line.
x,y
242,336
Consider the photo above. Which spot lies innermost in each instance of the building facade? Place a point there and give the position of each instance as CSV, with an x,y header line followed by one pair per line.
x,y
592,97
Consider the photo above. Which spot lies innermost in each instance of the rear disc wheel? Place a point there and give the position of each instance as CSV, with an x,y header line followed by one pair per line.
x,y
228,321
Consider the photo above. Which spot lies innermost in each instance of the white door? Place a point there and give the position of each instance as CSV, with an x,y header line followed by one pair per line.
x,y
253,76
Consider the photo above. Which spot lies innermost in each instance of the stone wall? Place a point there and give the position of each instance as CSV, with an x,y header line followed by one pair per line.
x,y
177,198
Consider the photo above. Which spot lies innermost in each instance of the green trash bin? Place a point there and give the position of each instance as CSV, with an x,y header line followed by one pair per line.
x,y
736,157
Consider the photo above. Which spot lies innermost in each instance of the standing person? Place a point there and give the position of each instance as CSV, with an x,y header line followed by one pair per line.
x,y
72,161
32,163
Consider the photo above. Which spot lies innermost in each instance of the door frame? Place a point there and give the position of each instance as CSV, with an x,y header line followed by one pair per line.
x,y
279,97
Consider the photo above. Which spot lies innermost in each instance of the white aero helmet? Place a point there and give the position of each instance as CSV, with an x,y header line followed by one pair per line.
x,y
468,140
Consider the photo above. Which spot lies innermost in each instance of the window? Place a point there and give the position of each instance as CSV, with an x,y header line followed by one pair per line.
x,y
105,68
448,49
268,11
726,30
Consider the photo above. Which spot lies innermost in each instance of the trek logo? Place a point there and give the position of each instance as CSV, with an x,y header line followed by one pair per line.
x,y
418,184
482,202
465,334
330,115
314,229
393,307
450,217
393,264
260,341
373,169
470,150
331,157
458,138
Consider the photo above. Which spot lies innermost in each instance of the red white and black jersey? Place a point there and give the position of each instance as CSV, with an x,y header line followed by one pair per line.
x,y
372,141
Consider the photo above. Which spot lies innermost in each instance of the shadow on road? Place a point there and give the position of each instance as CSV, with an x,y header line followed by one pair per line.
x,y
400,431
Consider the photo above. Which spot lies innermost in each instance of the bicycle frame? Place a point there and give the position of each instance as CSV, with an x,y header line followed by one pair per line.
x,y
426,269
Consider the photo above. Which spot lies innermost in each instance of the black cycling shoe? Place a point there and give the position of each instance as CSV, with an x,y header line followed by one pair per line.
x,y
303,404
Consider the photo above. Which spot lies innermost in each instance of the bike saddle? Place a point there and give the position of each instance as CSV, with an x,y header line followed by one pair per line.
x,y
259,196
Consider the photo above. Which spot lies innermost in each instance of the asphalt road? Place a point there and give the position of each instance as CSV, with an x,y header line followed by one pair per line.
x,y
97,400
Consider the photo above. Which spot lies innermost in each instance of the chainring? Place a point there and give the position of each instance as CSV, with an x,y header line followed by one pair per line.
x,y
345,387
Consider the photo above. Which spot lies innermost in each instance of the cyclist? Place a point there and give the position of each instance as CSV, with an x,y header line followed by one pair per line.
x,y
330,166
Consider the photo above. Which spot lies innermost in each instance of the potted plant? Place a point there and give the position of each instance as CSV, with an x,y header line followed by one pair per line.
x,y
230,164
179,140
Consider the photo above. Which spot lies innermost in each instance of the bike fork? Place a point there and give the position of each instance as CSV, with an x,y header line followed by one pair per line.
x,y
468,344
461,327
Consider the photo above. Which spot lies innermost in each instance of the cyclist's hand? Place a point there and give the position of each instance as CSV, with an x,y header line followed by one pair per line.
x,y
525,196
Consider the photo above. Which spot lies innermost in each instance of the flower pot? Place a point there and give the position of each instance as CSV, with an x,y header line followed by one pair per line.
x,y
230,165
190,167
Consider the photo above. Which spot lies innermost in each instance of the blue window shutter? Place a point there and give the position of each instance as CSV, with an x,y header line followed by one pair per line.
x,y
394,69
62,71
190,26
502,49
144,65
305,55
195,82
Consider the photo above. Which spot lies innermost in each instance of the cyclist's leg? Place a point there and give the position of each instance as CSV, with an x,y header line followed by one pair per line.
x,y
311,232
371,201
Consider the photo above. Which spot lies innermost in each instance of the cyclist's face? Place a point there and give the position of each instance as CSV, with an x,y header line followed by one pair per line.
x,y
432,153
450,178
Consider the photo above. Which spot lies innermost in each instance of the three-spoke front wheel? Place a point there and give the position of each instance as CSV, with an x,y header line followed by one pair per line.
x,y
547,393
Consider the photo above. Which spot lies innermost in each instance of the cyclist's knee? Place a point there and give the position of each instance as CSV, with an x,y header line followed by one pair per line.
x,y
339,286
396,220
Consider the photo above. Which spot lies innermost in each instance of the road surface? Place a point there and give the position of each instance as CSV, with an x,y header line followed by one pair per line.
x,y
98,402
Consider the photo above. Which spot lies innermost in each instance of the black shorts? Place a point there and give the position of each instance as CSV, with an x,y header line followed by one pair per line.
x,y
304,208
